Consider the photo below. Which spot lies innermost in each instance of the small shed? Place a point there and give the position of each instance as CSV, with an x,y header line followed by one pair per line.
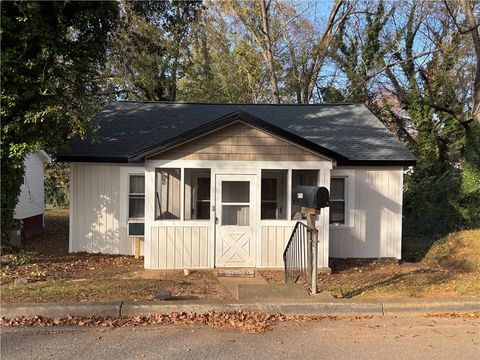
x,y
30,208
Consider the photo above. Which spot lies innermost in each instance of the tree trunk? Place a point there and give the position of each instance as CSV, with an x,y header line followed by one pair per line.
x,y
322,47
268,52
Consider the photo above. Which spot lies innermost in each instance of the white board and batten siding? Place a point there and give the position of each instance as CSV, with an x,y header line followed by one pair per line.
x,y
377,223
31,201
179,247
98,206
274,240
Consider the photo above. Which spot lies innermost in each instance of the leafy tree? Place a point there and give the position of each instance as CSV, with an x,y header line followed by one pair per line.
x,y
224,64
52,57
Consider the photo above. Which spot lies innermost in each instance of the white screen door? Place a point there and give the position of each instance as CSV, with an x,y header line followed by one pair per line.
x,y
235,220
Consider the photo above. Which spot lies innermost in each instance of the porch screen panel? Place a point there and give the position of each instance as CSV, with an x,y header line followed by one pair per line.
x,y
167,194
337,200
302,177
197,194
274,194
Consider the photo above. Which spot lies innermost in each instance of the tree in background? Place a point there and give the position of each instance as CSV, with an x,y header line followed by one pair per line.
x,y
57,185
52,57
276,41
412,65
149,51
224,64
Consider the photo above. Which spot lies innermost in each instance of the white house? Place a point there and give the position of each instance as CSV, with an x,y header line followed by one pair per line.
x,y
31,201
209,185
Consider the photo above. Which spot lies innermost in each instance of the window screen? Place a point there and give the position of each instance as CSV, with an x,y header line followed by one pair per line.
x,y
235,203
197,194
273,194
337,201
167,194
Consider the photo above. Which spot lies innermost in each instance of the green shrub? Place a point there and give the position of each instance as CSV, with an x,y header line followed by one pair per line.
x,y
57,186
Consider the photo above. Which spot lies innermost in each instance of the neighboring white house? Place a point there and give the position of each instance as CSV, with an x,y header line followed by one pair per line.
x,y
209,185
31,201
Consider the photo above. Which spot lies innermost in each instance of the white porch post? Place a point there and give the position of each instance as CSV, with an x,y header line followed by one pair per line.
x,y
149,215
289,194
324,180
182,194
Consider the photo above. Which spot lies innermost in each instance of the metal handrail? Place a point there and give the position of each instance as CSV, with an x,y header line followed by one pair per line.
x,y
297,257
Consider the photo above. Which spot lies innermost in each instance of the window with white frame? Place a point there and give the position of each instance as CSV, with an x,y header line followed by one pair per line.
x,y
338,205
136,197
167,194
274,195
197,194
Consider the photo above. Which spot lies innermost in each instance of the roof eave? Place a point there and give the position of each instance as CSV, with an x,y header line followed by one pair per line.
x,y
404,163
99,159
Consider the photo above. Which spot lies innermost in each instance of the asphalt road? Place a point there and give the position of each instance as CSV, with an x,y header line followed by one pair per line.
x,y
378,338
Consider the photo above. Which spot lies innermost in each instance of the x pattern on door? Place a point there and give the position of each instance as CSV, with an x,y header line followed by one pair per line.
x,y
235,247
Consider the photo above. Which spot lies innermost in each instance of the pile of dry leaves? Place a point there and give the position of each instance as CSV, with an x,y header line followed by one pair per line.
x,y
253,322
473,314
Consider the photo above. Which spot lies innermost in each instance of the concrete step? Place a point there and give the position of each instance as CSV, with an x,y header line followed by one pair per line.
x,y
272,292
236,273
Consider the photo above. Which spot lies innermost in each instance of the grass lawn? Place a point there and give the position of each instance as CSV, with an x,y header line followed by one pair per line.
x,y
46,272
450,268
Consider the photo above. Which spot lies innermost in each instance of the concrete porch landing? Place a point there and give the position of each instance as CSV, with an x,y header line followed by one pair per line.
x,y
257,288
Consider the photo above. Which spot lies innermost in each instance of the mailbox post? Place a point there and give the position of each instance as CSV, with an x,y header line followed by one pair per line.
x,y
311,199
312,254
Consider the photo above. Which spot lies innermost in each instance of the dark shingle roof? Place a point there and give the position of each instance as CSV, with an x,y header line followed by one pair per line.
x,y
128,128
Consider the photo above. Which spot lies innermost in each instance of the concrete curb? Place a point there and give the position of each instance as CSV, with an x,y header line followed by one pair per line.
x,y
431,306
53,310
307,307
287,308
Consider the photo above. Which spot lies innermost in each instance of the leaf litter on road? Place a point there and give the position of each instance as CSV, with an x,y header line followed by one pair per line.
x,y
253,322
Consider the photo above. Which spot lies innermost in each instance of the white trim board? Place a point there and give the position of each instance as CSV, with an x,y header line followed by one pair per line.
x,y
231,165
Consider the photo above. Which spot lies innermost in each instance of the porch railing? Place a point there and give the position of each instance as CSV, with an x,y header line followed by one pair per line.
x,y
299,256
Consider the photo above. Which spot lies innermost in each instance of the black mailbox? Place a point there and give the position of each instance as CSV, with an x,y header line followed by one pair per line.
x,y
316,197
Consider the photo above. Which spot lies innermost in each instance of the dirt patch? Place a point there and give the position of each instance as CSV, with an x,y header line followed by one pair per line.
x,y
44,272
45,257
75,266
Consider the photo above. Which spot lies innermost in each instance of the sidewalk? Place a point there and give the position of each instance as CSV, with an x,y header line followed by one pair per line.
x,y
286,307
